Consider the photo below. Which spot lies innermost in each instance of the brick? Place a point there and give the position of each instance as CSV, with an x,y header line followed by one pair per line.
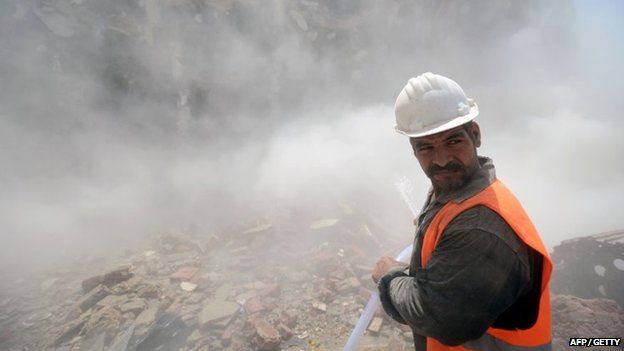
x,y
254,305
375,325
184,274
264,336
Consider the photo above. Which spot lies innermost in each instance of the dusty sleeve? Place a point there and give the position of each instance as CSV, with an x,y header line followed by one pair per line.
x,y
471,278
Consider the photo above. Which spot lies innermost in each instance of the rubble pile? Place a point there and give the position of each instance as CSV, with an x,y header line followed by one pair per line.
x,y
591,267
260,287
576,317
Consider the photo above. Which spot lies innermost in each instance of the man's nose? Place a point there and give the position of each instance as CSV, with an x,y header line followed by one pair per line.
x,y
441,157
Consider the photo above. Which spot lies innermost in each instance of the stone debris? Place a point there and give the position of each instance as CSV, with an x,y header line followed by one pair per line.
x,y
590,267
263,335
217,310
186,286
184,274
375,325
179,293
253,305
92,297
576,316
323,223
109,279
319,306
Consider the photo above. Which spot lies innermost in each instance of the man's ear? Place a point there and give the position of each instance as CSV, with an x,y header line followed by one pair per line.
x,y
475,134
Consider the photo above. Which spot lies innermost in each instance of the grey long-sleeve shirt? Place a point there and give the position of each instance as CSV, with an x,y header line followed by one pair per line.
x,y
480,274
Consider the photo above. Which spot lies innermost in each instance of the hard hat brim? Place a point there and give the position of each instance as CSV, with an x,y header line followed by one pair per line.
x,y
442,126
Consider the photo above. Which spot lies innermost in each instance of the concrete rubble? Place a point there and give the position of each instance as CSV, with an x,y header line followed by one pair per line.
x,y
248,290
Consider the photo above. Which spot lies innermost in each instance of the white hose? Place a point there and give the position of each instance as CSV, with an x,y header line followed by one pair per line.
x,y
371,307
405,188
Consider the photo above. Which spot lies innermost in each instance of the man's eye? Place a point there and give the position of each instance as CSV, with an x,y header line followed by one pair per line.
x,y
424,148
454,141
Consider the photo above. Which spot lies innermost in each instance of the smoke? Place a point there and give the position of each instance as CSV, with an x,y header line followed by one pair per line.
x,y
119,121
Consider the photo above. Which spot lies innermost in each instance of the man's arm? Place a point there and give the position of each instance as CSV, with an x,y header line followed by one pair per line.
x,y
478,269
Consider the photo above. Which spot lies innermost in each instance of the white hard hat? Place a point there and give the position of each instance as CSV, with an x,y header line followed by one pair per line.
x,y
431,104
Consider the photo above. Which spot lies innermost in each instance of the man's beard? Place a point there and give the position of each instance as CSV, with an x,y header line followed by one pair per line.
x,y
462,176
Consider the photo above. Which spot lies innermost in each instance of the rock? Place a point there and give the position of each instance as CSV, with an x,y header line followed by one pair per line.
x,y
258,229
272,290
253,305
319,306
184,274
93,297
323,223
109,279
289,318
117,276
69,330
223,292
285,332
189,287
216,310
195,336
264,335
375,325
105,319
90,283
134,306
112,301
326,295
572,315
226,336
121,341
147,316
195,298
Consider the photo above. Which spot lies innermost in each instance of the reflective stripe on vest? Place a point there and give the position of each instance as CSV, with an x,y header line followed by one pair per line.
x,y
498,198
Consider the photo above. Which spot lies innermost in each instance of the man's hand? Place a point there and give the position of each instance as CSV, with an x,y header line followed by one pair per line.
x,y
383,265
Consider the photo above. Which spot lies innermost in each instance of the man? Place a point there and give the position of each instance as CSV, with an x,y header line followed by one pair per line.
x,y
479,272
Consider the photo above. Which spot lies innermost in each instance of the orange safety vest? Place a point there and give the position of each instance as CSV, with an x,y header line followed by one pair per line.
x,y
498,198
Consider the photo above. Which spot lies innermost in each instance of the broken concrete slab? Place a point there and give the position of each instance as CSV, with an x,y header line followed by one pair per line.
x,y
216,310
147,316
134,306
93,297
109,279
112,301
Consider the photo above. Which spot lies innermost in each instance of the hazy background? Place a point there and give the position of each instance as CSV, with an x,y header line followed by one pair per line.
x,y
124,119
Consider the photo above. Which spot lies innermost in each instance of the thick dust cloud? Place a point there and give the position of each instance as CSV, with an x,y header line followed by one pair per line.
x,y
121,120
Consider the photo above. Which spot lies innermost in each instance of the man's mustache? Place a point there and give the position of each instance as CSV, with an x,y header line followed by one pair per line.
x,y
449,167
